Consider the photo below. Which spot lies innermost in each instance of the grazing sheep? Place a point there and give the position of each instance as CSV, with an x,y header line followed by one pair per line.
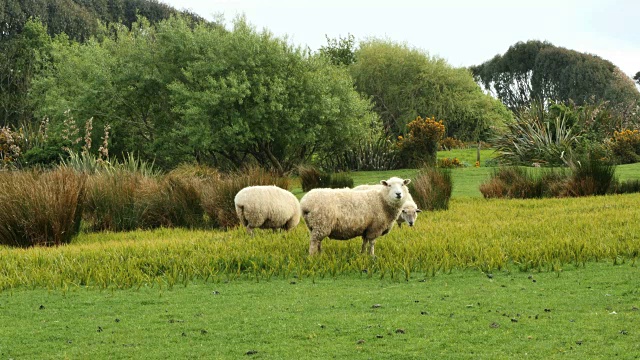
x,y
410,209
343,214
267,207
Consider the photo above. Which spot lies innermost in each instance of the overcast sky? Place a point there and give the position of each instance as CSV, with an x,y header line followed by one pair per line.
x,y
464,32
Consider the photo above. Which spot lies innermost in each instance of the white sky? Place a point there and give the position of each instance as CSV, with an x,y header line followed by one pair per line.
x,y
464,32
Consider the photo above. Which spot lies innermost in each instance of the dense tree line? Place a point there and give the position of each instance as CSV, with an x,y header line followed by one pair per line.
x,y
24,49
174,92
539,71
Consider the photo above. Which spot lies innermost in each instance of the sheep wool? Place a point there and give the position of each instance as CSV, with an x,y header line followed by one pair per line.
x,y
267,207
342,214
409,213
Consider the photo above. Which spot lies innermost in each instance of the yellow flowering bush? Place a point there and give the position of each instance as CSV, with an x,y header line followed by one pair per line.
x,y
625,145
420,145
449,163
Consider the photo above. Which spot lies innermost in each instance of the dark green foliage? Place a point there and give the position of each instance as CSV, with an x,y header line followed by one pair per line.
x,y
431,188
40,209
627,187
536,70
340,51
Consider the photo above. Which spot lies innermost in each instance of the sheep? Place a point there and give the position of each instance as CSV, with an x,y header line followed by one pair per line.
x,y
343,214
267,207
410,209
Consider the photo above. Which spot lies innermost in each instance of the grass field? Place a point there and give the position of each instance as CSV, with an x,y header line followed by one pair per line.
x,y
488,279
587,312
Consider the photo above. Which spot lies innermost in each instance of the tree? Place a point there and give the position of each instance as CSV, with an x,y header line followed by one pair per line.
x,y
405,83
180,91
340,51
257,96
637,77
21,58
540,71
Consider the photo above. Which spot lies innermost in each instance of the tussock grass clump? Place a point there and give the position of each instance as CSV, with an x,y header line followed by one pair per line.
x,y
310,177
591,176
340,180
627,187
218,195
431,188
171,201
40,208
112,201
512,182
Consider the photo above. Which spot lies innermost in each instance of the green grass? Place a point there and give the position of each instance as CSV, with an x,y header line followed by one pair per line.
x,y
585,312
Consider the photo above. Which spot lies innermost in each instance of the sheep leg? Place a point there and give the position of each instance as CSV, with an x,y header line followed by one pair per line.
x,y
366,245
372,242
315,245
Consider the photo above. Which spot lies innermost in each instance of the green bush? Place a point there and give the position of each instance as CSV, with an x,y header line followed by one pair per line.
x,y
431,188
40,208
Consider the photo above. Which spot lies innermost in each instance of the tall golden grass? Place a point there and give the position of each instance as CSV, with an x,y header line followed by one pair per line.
x,y
482,235
40,208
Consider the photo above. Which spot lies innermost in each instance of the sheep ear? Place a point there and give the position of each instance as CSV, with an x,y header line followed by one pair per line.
x,y
407,181
418,210
384,182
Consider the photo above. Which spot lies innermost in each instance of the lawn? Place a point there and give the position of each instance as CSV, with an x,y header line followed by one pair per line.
x,y
585,312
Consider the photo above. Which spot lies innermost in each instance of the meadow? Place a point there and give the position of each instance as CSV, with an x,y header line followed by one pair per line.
x,y
495,278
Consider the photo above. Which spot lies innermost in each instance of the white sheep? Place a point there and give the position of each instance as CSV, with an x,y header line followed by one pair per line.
x,y
267,207
409,213
343,214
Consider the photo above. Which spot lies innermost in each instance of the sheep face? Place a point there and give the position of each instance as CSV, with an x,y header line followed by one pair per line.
x,y
410,214
396,189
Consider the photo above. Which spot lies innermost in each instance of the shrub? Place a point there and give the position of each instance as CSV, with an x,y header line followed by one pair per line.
x,y
512,182
625,146
218,196
378,154
431,188
450,163
40,208
450,143
421,143
627,187
340,180
590,176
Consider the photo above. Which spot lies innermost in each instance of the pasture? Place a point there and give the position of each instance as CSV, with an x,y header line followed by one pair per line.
x,y
485,279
